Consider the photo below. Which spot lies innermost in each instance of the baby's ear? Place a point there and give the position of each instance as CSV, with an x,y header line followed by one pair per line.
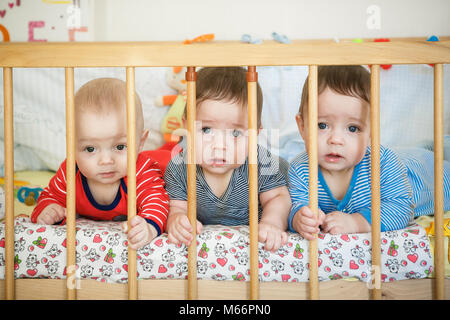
x,y
300,124
142,140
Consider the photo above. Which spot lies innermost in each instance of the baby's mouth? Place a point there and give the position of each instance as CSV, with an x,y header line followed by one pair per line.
x,y
333,157
217,162
107,174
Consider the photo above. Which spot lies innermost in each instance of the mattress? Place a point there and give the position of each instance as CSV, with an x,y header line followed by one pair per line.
x,y
222,254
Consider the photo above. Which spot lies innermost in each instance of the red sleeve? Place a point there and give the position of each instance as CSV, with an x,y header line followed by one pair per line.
x,y
55,192
152,200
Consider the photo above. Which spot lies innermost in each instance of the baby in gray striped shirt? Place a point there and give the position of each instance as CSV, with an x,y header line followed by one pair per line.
x,y
222,165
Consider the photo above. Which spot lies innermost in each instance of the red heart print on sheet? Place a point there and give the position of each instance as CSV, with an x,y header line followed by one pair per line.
x,y
222,261
353,265
413,257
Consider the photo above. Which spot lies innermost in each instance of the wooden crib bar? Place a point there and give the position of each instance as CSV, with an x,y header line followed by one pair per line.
x,y
223,53
375,179
131,179
439,254
9,182
313,178
252,79
70,183
191,77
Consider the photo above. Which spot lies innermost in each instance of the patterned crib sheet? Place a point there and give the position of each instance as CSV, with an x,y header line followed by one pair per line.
x,y
222,254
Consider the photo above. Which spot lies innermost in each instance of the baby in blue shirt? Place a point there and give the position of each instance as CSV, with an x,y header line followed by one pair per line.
x,y
344,173
344,186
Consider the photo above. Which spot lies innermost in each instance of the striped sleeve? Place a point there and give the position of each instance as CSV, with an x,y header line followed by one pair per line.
x,y
175,177
55,192
298,185
397,205
152,200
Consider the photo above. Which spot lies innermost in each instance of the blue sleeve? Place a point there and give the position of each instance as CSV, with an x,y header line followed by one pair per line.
x,y
298,190
397,205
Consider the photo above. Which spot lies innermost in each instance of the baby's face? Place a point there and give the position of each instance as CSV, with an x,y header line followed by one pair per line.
x,y
101,146
221,136
343,131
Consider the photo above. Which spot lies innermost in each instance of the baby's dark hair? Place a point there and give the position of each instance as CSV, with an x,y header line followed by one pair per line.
x,y
225,83
351,81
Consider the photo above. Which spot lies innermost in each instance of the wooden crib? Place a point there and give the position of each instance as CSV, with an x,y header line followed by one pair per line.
x,y
226,53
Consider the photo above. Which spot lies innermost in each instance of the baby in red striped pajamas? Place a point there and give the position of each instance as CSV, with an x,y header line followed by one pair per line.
x,y
101,167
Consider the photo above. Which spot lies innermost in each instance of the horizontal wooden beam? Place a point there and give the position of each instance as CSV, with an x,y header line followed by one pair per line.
x,y
223,53
52,289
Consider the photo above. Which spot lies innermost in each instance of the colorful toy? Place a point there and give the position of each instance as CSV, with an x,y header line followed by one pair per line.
x,y
2,203
432,39
29,195
173,119
432,232
248,39
17,183
202,38
280,38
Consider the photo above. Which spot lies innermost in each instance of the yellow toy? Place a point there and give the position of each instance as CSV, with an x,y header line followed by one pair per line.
x,y
430,231
17,183
173,119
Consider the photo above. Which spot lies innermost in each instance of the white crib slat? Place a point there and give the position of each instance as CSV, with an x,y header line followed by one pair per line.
x,y
252,78
70,192
9,183
131,179
191,77
375,179
439,182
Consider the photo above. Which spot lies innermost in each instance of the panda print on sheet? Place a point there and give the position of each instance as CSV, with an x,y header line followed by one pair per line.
x,y
393,265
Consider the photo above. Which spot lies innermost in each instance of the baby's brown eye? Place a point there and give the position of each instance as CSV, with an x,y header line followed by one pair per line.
x,y
121,147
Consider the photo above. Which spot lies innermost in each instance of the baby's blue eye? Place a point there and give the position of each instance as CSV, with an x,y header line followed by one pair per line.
x,y
89,149
121,147
353,129
236,133
322,126
206,130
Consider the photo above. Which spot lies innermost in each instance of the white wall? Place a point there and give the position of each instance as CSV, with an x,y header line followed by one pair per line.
x,y
141,20
146,20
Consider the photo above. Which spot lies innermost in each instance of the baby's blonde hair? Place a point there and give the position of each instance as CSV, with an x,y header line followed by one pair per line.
x,y
104,95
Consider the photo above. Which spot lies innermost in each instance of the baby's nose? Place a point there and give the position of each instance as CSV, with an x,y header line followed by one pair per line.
x,y
106,157
219,140
336,137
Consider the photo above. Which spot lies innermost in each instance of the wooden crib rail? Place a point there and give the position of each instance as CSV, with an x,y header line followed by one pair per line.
x,y
228,53
223,53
